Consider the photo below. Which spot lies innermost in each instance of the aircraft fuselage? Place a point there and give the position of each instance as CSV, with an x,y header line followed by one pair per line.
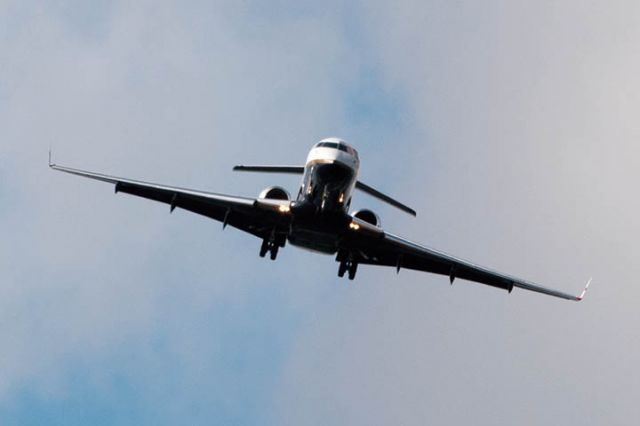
x,y
321,209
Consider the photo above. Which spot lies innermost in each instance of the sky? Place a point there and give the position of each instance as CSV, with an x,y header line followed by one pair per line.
x,y
511,126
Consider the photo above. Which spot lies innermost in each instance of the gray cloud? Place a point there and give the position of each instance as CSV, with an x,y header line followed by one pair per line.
x,y
511,126
89,277
523,117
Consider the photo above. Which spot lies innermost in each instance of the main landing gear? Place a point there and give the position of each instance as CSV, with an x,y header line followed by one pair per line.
x,y
271,245
348,265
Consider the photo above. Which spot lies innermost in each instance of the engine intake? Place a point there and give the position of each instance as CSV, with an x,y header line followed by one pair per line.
x,y
274,193
368,216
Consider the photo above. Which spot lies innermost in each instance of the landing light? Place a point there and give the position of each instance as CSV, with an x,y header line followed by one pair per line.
x,y
283,208
354,226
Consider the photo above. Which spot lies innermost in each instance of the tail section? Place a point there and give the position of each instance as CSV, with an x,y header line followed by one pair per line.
x,y
298,170
379,195
295,170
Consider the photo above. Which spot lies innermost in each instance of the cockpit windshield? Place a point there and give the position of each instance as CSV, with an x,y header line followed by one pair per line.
x,y
336,145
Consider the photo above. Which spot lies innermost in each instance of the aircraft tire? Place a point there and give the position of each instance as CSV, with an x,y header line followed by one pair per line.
x,y
274,252
342,269
264,248
353,268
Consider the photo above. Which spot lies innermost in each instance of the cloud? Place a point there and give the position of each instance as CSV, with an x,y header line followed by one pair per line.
x,y
511,126
523,156
105,295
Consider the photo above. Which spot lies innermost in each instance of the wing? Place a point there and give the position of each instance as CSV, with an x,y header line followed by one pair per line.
x,y
376,247
255,216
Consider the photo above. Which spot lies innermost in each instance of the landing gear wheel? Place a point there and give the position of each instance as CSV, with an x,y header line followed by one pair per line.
x,y
353,268
274,252
342,268
264,248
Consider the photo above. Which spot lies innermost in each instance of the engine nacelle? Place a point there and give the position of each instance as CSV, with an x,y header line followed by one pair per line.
x,y
368,216
274,193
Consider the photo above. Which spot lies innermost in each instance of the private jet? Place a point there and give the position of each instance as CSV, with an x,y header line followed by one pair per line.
x,y
319,218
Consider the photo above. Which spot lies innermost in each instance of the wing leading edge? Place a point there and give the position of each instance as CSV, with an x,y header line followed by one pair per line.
x,y
257,217
390,250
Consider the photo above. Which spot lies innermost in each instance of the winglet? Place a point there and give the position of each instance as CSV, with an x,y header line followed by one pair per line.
x,y
50,163
579,298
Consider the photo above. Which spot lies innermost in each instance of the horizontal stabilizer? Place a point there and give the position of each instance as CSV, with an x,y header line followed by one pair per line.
x,y
296,170
379,195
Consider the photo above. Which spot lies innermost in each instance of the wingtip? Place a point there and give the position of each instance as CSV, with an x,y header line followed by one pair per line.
x,y
579,298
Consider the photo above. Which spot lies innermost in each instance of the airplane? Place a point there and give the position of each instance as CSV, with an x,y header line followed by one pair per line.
x,y
319,218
